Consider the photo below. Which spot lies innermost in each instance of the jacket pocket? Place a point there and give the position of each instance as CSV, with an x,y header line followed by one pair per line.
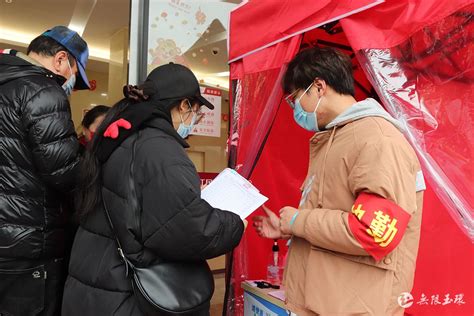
x,y
343,286
20,241
22,291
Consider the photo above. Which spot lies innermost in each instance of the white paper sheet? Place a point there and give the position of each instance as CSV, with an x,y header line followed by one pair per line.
x,y
231,192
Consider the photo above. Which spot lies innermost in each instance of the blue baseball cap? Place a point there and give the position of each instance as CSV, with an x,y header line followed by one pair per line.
x,y
77,47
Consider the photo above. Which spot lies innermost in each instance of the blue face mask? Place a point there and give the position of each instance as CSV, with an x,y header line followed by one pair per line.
x,y
307,120
68,86
183,129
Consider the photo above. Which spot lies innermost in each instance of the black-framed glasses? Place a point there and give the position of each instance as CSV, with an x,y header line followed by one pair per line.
x,y
199,113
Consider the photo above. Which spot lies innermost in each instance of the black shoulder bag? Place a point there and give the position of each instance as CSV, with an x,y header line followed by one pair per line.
x,y
167,288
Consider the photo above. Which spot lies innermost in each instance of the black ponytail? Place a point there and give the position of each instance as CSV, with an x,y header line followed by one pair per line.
x,y
88,194
142,108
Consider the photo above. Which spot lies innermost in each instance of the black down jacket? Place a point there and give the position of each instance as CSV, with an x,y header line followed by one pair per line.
x,y
38,162
176,224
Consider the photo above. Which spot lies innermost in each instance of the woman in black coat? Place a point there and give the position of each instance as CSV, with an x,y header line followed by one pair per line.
x,y
141,163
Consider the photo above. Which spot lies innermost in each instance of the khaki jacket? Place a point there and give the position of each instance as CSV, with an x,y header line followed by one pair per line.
x,y
328,272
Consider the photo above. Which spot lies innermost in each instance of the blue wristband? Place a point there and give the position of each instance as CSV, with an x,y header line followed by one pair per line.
x,y
293,219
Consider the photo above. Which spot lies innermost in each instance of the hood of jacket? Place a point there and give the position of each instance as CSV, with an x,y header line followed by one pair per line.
x,y
15,65
365,108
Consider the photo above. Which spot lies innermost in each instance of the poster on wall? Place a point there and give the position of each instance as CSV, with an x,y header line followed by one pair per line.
x,y
187,32
210,124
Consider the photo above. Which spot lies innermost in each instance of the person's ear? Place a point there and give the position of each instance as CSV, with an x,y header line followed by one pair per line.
x,y
320,85
59,59
184,106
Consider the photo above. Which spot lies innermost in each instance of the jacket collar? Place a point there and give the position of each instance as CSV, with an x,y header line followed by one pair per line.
x,y
167,127
359,110
14,64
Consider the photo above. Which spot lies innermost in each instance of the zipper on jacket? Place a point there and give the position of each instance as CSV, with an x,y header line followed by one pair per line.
x,y
321,183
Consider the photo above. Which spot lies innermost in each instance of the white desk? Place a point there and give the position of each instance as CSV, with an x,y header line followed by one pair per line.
x,y
257,302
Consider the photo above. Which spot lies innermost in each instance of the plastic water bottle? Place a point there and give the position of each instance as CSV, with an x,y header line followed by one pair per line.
x,y
275,268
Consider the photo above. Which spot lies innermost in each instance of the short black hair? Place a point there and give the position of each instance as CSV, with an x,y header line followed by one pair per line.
x,y
46,46
94,113
326,63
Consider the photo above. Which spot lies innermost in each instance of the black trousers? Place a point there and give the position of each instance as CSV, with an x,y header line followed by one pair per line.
x,y
31,288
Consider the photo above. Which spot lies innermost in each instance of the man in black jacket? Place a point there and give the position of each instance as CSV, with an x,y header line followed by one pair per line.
x,y
38,166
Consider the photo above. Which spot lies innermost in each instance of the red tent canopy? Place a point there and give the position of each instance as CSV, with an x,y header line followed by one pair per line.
x,y
257,25
417,56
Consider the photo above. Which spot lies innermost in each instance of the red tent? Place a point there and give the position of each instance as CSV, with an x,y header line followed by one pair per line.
x,y
417,58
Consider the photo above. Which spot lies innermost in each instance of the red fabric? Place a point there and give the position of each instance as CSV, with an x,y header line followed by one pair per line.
x,y
444,264
445,259
378,224
429,84
272,21
279,173
270,58
257,103
394,21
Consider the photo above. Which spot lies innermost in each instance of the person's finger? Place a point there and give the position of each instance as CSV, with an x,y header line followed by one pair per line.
x,y
267,211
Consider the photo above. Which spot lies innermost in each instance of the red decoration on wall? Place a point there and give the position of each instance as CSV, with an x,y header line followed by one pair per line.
x,y
206,178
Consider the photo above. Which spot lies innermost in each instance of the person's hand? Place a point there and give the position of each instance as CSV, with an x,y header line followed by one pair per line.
x,y
267,226
286,214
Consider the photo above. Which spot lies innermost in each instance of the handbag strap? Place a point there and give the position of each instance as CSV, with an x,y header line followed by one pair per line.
x,y
121,253
114,232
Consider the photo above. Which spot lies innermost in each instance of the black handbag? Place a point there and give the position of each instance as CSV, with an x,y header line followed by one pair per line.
x,y
167,288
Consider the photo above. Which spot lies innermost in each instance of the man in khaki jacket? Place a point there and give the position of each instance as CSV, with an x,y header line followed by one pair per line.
x,y
354,236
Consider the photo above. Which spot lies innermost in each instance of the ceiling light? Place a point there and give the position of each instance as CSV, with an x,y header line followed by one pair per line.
x,y
14,37
76,27
221,74
103,94
81,15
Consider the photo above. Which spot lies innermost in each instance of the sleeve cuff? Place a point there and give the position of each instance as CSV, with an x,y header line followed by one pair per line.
x,y
298,226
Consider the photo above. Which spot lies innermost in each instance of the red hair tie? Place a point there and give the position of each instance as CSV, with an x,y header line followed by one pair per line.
x,y
113,130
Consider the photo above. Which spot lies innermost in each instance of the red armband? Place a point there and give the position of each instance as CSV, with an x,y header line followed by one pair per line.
x,y
378,224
